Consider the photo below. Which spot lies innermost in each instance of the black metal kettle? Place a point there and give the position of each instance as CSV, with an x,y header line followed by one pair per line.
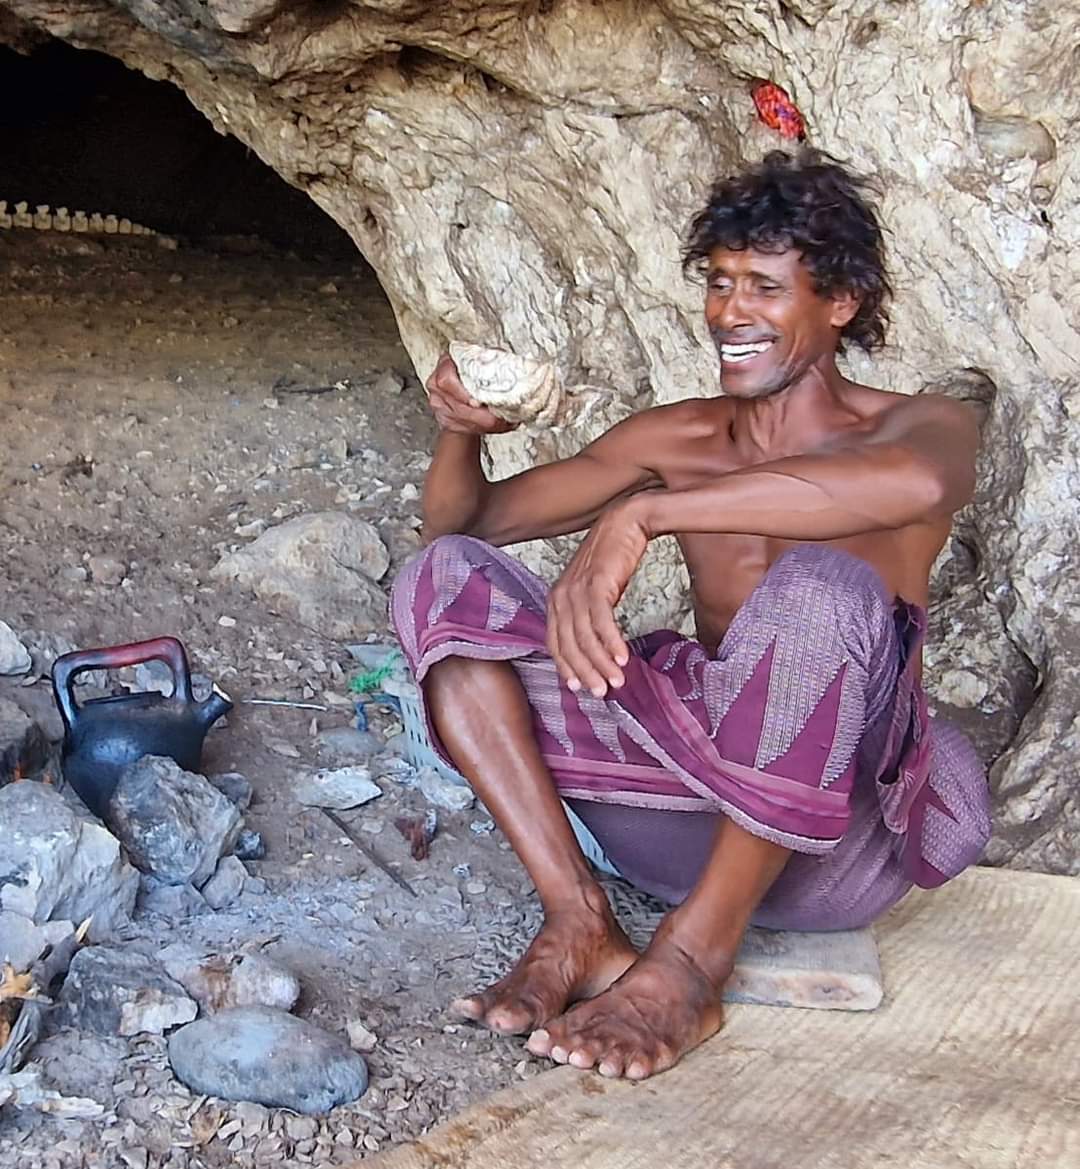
x,y
104,735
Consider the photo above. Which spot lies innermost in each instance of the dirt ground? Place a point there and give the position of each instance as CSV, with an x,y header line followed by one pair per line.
x,y
150,410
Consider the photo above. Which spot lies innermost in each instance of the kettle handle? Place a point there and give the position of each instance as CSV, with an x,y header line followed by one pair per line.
x,y
68,666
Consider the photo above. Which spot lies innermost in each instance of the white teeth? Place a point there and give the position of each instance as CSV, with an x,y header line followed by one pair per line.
x,y
738,353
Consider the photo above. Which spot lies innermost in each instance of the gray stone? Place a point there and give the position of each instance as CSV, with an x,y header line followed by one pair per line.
x,y
218,982
24,746
342,745
115,990
269,1057
836,971
44,647
14,658
320,569
345,787
172,902
259,981
249,845
389,382
235,786
174,824
442,792
21,941
55,864
226,884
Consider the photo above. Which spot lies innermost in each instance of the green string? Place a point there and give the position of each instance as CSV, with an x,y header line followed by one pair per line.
x,y
369,680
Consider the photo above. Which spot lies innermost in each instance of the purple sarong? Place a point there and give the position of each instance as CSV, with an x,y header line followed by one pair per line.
x,y
808,727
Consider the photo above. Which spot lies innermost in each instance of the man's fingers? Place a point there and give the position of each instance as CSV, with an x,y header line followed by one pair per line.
x,y
610,635
599,664
573,664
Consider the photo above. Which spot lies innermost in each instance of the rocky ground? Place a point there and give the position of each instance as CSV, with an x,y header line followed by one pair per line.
x,y
162,407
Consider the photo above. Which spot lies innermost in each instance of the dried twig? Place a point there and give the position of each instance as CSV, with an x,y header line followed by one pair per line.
x,y
369,852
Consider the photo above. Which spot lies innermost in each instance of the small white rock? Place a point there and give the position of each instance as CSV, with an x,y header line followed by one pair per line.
x,y
443,793
341,788
14,657
360,1038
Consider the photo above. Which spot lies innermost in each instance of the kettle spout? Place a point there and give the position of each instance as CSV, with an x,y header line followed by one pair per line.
x,y
212,708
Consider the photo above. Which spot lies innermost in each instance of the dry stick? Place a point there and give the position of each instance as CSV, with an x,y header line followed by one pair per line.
x,y
369,852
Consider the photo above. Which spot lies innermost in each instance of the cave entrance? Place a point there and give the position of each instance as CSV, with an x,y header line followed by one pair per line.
x,y
83,131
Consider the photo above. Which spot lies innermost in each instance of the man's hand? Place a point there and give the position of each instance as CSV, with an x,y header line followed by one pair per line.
x,y
454,409
583,636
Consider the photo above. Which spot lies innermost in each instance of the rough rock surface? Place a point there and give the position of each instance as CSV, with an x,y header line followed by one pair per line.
x,y
216,982
115,990
14,658
270,1057
320,569
55,865
226,884
519,175
174,824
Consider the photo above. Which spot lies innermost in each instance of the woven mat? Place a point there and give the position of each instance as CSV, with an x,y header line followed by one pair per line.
x,y
973,1062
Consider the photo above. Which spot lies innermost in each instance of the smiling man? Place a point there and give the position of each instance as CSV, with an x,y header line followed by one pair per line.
x,y
780,767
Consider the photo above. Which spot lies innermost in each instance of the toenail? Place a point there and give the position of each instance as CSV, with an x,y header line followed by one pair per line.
x,y
559,1054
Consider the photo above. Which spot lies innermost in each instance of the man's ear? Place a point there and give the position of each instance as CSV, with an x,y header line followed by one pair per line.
x,y
845,304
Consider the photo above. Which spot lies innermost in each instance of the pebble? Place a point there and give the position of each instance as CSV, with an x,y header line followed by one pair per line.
x,y
249,846
360,1038
107,570
442,792
342,788
270,1057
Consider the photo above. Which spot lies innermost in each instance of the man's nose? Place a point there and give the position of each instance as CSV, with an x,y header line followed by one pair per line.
x,y
732,311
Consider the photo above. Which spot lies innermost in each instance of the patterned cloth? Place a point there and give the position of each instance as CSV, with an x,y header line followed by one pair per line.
x,y
807,727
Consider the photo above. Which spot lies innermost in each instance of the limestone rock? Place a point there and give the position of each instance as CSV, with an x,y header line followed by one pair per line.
x,y
171,902
442,792
340,788
14,658
269,1057
115,990
227,883
964,113
174,824
57,865
218,982
320,569
517,389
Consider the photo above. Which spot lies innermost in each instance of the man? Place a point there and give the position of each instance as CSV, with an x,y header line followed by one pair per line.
x,y
780,767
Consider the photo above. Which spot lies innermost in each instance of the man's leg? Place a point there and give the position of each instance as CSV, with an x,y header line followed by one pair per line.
x,y
483,719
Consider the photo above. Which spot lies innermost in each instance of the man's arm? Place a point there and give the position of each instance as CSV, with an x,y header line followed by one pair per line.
x,y
551,500
918,467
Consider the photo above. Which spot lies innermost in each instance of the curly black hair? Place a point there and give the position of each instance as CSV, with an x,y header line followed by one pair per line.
x,y
812,203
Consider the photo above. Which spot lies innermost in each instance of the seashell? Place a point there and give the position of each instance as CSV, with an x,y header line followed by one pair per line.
x,y
517,389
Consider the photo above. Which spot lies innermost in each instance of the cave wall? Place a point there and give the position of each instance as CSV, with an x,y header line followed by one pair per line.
x,y
520,173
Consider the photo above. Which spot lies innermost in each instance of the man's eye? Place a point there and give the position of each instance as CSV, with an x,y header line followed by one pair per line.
x,y
768,289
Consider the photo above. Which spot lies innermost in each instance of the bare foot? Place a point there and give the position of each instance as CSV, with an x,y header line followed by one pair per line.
x,y
576,954
661,1008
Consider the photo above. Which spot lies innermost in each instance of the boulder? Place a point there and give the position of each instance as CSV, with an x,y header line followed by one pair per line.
x,y
269,1057
115,990
320,569
174,824
58,865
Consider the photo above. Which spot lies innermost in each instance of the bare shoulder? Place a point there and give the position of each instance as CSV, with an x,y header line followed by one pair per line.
x,y
647,434
901,412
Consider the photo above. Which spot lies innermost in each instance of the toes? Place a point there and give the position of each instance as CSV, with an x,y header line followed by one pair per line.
x,y
468,1008
582,1057
559,1054
639,1068
539,1042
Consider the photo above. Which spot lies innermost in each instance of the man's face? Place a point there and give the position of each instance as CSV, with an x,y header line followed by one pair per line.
x,y
768,323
